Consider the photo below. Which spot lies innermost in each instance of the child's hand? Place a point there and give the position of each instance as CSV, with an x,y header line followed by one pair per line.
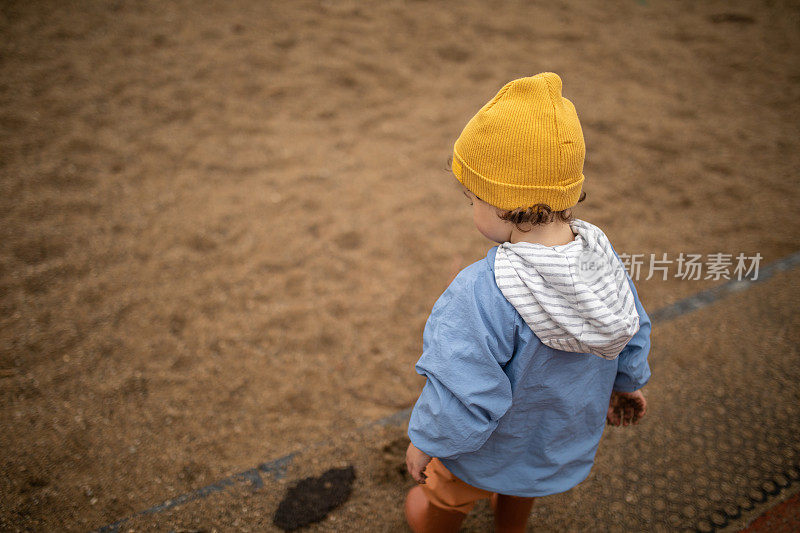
x,y
626,408
416,461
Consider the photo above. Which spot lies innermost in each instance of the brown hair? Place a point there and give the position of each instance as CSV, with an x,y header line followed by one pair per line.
x,y
533,215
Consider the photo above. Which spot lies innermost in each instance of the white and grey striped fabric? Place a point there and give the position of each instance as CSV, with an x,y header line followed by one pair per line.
x,y
574,296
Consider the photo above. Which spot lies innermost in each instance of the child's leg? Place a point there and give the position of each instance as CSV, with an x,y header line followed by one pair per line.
x,y
424,517
442,503
511,513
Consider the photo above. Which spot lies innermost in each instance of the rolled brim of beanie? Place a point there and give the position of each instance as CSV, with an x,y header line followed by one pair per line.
x,y
509,196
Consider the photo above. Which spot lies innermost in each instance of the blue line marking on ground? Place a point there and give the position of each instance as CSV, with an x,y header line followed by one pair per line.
x,y
709,296
276,468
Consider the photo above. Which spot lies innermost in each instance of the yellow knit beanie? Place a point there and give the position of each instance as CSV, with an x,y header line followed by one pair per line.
x,y
524,147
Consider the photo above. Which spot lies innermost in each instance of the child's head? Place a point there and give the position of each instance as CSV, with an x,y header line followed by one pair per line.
x,y
520,158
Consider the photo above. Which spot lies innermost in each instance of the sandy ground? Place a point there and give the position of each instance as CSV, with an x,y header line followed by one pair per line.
x,y
224,223
723,419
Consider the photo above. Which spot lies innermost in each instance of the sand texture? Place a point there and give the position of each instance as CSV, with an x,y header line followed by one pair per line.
x,y
223,223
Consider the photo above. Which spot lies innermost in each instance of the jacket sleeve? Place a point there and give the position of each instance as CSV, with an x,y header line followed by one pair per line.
x,y
633,370
466,342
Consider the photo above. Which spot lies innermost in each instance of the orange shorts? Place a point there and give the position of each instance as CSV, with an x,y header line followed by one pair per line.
x,y
445,490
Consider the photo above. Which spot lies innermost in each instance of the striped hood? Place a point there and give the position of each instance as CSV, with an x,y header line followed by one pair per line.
x,y
575,296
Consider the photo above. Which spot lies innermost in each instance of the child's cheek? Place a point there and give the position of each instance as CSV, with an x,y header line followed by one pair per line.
x,y
489,228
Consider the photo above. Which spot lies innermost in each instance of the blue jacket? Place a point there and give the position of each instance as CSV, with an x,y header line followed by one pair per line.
x,y
503,411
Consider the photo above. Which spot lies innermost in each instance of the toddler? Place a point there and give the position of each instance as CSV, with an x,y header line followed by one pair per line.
x,y
533,349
